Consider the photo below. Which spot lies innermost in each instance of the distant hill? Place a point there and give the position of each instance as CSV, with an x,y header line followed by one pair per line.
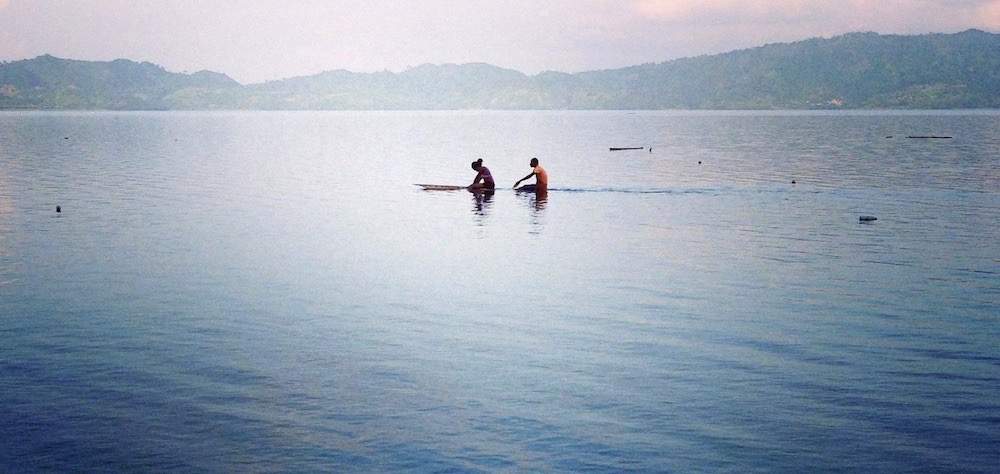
x,y
857,70
47,82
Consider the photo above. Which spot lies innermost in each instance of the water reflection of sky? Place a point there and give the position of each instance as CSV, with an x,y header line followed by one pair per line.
x,y
254,266
6,204
6,214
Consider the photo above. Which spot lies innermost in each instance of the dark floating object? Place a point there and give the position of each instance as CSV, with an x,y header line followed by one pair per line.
x,y
888,136
867,218
931,137
793,181
58,209
699,162
627,148
65,138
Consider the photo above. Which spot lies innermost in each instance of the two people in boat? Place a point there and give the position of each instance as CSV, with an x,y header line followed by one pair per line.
x,y
484,180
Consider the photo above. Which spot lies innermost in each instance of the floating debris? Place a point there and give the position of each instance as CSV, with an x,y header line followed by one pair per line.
x,y
627,148
867,218
58,209
931,137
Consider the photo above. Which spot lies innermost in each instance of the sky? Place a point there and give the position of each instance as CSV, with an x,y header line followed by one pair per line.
x,y
259,40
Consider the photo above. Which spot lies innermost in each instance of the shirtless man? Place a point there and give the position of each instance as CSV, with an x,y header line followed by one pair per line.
x,y
541,179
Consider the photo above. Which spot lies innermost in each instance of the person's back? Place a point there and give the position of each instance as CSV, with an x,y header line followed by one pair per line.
x,y
487,177
541,178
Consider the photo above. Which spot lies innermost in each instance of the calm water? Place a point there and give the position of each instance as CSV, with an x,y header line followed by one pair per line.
x,y
269,292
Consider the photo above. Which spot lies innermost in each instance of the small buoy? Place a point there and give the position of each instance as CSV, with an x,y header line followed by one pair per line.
x,y
793,181
65,138
867,218
58,209
699,162
650,149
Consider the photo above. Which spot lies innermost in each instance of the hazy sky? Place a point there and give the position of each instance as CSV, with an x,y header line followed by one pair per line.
x,y
256,40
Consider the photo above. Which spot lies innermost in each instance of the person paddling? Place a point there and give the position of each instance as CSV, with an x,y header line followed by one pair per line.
x,y
484,180
541,179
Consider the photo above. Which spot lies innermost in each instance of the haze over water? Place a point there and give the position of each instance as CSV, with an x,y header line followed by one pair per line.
x,y
269,291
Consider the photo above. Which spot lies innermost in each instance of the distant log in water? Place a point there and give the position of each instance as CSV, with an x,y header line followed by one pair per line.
x,y
627,148
929,136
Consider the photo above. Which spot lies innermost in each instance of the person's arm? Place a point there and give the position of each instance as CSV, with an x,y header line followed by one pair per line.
x,y
524,178
479,177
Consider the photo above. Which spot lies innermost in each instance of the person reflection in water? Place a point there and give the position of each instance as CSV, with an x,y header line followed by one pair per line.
x,y
482,201
541,186
539,201
535,202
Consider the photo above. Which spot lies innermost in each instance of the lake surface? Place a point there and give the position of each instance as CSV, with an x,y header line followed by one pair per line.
x,y
269,292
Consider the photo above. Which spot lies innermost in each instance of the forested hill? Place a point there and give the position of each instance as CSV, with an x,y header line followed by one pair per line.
x,y
47,82
857,70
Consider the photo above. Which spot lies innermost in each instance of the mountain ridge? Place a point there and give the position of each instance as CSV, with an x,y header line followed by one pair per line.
x,y
854,71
